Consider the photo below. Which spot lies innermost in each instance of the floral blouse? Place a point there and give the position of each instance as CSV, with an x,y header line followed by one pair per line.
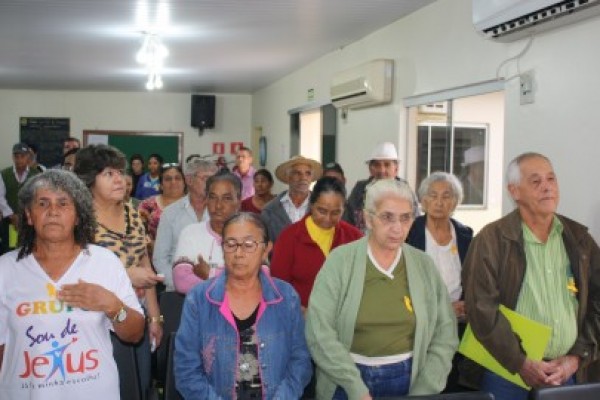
x,y
151,206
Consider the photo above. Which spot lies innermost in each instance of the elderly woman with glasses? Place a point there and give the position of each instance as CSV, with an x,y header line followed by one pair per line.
x,y
60,296
379,320
242,333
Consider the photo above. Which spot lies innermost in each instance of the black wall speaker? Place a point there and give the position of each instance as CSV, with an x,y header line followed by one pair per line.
x,y
203,111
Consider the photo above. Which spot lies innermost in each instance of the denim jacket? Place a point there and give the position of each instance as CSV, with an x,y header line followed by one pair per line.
x,y
207,342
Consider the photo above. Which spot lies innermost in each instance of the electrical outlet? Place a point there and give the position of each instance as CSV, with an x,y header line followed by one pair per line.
x,y
527,87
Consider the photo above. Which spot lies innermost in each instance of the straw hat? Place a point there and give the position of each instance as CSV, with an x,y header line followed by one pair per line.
x,y
282,170
384,151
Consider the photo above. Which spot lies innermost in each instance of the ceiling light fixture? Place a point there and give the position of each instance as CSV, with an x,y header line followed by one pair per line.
x,y
153,52
152,55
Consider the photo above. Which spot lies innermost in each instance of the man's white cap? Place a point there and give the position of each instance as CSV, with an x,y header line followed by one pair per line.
x,y
384,151
473,155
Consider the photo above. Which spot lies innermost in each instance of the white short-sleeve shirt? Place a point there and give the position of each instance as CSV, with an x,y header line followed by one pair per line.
x,y
52,351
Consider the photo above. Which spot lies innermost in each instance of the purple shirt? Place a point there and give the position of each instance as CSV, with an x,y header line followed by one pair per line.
x,y
247,182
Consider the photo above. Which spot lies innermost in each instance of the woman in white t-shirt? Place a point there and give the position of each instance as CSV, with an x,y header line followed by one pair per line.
x,y
59,298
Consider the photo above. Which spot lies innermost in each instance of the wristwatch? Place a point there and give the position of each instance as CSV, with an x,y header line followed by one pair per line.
x,y
121,315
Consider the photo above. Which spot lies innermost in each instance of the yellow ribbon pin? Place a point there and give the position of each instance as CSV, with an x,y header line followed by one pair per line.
x,y
571,286
408,304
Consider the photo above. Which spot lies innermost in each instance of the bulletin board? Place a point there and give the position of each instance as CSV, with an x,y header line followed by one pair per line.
x,y
168,144
47,134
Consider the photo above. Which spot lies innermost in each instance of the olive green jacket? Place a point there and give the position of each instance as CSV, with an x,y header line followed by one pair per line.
x,y
332,311
493,273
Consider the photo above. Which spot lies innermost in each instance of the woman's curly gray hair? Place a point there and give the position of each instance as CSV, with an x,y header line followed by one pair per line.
x,y
56,181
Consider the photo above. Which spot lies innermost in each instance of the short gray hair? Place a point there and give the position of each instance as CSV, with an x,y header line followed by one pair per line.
x,y
253,218
226,177
386,187
440,176
57,180
513,170
196,165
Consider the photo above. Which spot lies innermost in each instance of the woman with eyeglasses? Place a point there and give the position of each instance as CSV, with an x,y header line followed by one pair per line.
x,y
148,184
242,333
198,255
172,188
379,320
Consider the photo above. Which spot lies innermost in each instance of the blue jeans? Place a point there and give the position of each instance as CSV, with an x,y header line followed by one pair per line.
x,y
383,381
505,390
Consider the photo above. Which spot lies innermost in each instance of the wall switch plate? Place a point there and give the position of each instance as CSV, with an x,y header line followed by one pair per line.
x,y
526,87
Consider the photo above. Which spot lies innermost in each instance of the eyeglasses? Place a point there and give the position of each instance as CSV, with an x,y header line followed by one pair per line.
x,y
170,165
388,218
248,246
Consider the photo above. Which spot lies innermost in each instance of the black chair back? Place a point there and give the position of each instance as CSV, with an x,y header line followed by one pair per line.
x,y
585,391
129,381
446,396
171,305
171,392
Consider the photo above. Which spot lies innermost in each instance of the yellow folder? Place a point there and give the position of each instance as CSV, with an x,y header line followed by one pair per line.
x,y
534,339
13,236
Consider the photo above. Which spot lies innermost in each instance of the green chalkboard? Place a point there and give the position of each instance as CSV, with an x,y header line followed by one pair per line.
x,y
168,144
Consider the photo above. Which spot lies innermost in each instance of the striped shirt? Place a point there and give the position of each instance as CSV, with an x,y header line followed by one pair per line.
x,y
548,294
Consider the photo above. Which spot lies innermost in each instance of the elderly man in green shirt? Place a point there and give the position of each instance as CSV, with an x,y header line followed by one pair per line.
x,y
542,265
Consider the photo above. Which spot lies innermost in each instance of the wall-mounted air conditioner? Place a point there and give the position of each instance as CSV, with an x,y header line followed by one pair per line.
x,y
366,85
509,20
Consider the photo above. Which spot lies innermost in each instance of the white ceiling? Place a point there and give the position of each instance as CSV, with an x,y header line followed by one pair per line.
x,y
221,46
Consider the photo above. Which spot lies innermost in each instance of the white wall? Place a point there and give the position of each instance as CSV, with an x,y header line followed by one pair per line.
x,y
562,121
167,112
436,48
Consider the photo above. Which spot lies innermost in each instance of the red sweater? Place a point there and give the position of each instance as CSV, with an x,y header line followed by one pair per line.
x,y
297,258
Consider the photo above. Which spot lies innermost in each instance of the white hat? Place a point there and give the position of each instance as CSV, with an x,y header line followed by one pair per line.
x,y
473,155
384,151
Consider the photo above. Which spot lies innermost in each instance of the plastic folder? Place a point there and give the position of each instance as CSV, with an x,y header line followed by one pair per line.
x,y
534,339
12,236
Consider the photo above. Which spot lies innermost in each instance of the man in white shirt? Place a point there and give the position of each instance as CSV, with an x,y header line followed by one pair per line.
x,y
175,217
292,204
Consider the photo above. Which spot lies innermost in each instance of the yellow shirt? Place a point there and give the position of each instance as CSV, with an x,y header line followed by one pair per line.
x,y
322,237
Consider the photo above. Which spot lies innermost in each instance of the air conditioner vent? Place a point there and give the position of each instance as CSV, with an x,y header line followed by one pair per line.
x,y
508,22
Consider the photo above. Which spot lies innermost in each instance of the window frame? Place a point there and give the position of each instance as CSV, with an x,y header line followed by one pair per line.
x,y
453,125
